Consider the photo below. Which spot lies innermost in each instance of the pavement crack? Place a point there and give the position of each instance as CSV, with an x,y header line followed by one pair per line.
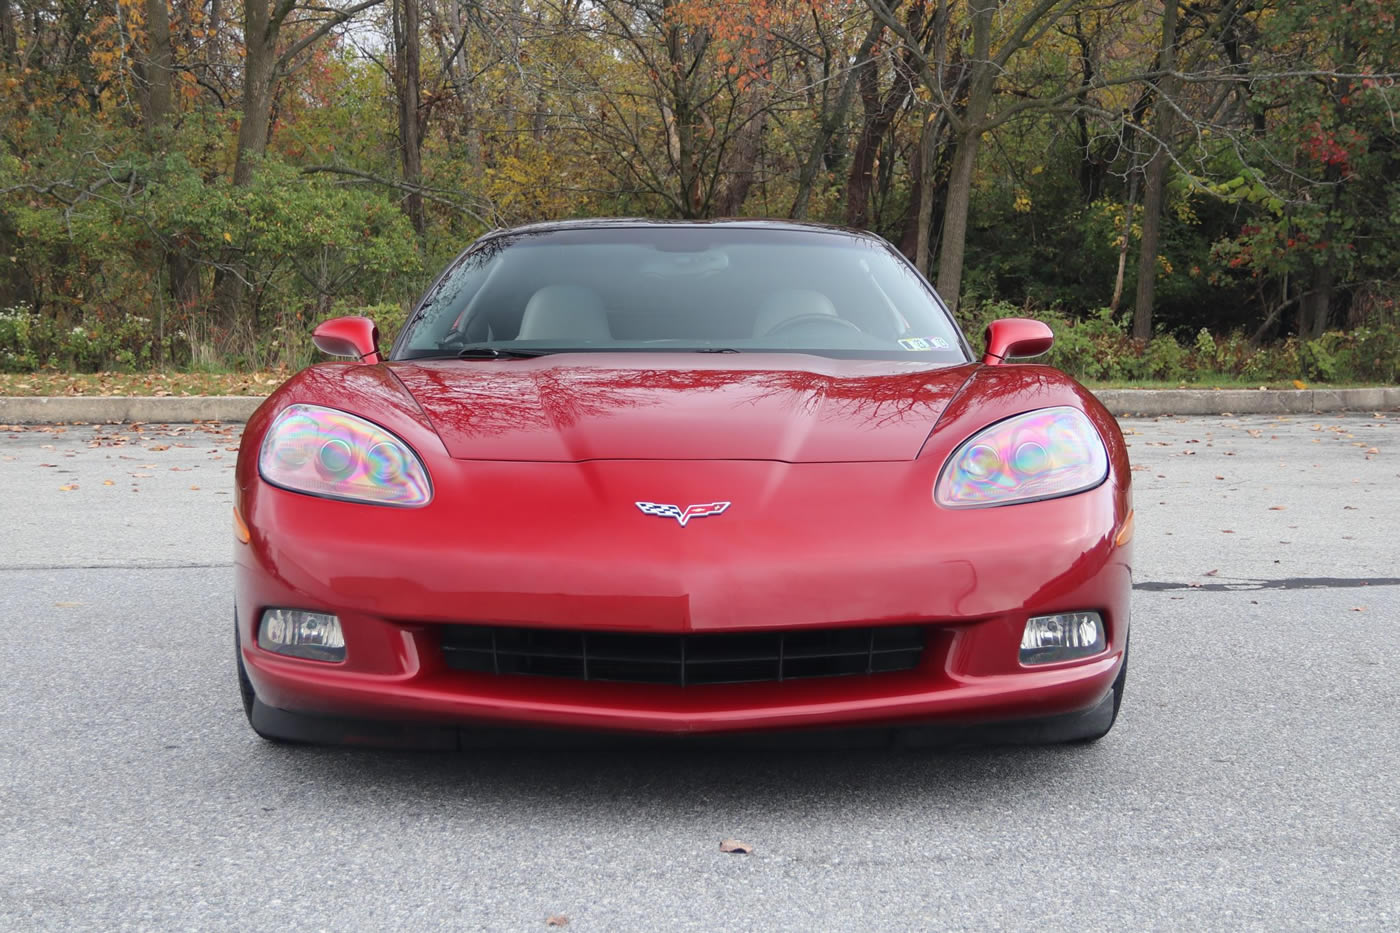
x,y
1288,583
29,568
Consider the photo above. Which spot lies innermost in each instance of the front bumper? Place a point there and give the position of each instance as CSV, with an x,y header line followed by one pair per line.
x,y
579,556
381,733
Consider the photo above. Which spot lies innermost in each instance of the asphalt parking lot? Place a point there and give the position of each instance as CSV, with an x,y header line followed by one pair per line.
x,y
1251,781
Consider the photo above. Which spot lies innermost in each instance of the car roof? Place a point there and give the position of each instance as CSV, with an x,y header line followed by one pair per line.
x,y
604,223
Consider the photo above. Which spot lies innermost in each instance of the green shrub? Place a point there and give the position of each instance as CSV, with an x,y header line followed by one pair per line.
x,y
1362,355
1097,347
1318,362
16,343
1204,351
1164,359
97,342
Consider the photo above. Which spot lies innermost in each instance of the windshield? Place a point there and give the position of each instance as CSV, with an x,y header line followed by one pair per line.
x,y
705,288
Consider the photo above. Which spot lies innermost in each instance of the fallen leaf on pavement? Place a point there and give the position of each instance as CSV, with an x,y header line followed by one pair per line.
x,y
108,482
69,488
1277,508
1210,573
556,920
735,846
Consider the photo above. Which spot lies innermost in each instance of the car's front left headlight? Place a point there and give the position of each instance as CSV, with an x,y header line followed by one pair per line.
x,y
330,453
1038,455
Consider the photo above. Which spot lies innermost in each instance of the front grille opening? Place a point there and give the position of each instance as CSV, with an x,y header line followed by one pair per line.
x,y
682,660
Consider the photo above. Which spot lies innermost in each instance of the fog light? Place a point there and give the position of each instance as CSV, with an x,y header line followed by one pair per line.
x,y
313,635
1064,637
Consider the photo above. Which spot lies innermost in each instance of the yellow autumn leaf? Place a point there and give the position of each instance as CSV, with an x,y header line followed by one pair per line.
x,y
1299,384
228,237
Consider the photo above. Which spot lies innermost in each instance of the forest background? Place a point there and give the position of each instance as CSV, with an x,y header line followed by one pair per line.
x,y
1184,190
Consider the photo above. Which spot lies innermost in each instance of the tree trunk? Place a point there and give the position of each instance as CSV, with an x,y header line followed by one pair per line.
x,y
157,109
917,232
954,237
1315,310
1152,198
9,45
408,39
953,240
1091,168
259,68
860,180
1318,304
1154,190
682,130
159,58
832,121
742,165
213,38
1123,247
880,111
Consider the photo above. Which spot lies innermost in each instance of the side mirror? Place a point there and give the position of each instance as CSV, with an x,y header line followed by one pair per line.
x,y
1016,337
355,337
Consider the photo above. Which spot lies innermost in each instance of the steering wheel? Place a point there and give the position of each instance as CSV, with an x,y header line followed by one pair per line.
x,y
803,319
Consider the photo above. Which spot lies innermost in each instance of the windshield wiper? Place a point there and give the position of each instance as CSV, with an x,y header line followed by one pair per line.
x,y
499,353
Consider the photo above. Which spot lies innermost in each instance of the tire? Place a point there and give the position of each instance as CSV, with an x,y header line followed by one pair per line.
x,y
1118,684
245,688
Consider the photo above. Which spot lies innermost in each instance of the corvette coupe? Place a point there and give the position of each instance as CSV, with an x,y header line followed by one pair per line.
x,y
681,479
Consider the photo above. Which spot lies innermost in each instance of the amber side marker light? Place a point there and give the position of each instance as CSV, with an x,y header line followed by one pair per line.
x,y
240,530
1125,534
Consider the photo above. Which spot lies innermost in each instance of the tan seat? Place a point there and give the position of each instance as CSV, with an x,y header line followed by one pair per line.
x,y
564,312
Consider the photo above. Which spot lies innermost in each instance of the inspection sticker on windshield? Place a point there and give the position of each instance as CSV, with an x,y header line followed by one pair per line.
x,y
923,343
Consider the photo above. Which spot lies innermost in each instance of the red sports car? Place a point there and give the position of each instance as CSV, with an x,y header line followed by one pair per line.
x,y
679,479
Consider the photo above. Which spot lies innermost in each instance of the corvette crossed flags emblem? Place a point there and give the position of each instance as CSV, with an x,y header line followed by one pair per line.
x,y
682,515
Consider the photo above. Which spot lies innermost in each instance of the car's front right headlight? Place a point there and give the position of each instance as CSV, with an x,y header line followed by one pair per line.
x,y
330,453
1038,455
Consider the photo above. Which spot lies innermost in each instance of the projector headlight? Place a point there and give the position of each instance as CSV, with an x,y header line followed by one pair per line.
x,y
1039,455
325,452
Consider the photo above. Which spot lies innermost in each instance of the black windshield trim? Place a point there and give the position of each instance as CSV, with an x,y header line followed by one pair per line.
x,y
946,357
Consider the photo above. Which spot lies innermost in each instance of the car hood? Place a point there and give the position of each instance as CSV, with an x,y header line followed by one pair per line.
x,y
669,406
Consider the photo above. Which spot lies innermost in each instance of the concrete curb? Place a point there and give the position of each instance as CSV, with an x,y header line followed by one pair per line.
x,y
112,409
1149,402
1122,402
